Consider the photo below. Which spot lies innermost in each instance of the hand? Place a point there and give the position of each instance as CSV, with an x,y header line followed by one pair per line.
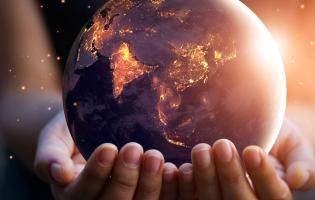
x,y
218,172
293,157
129,174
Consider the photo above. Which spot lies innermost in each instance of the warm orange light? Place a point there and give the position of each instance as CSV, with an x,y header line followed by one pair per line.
x,y
125,68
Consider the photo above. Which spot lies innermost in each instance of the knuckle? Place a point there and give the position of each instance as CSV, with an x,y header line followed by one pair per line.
x,y
93,174
206,180
233,177
96,171
124,183
148,189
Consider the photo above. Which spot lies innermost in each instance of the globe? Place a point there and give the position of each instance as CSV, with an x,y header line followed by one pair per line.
x,y
169,74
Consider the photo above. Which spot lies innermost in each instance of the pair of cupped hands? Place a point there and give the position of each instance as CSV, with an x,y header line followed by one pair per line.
x,y
216,172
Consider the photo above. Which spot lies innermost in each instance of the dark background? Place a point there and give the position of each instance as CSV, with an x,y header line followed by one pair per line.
x,y
65,20
291,22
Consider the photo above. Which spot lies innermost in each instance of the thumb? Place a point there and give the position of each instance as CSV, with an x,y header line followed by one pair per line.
x,y
301,175
297,155
300,165
53,162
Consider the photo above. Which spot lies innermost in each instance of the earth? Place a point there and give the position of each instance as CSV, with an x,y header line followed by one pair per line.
x,y
170,74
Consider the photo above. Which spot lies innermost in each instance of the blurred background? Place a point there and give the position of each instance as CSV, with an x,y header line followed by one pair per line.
x,y
26,24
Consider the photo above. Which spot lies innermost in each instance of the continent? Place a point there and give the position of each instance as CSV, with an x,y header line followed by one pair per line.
x,y
126,68
172,74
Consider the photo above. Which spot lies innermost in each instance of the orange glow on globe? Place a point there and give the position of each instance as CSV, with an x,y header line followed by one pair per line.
x,y
170,74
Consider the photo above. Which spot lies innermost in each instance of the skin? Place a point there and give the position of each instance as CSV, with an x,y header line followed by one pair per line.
x,y
169,183
288,167
215,173
24,112
59,163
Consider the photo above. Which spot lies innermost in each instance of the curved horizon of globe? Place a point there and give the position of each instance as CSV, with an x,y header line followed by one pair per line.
x,y
141,82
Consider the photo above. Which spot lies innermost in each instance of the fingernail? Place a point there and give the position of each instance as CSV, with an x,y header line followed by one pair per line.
x,y
55,170
223,150
169,172
152,162
187,172
108,154
306,176
202,155
131,155
301,178
252,157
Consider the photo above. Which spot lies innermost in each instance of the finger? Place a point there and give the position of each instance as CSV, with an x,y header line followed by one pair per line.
x,y
278,166
267,183
205,173
299,163
232,179
79,163
95,173
53,161
297,156
78,159
169,186
186,182
78,169
301,175
125,174
150,181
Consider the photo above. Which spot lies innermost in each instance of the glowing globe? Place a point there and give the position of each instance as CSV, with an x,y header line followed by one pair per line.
x,y
170,74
